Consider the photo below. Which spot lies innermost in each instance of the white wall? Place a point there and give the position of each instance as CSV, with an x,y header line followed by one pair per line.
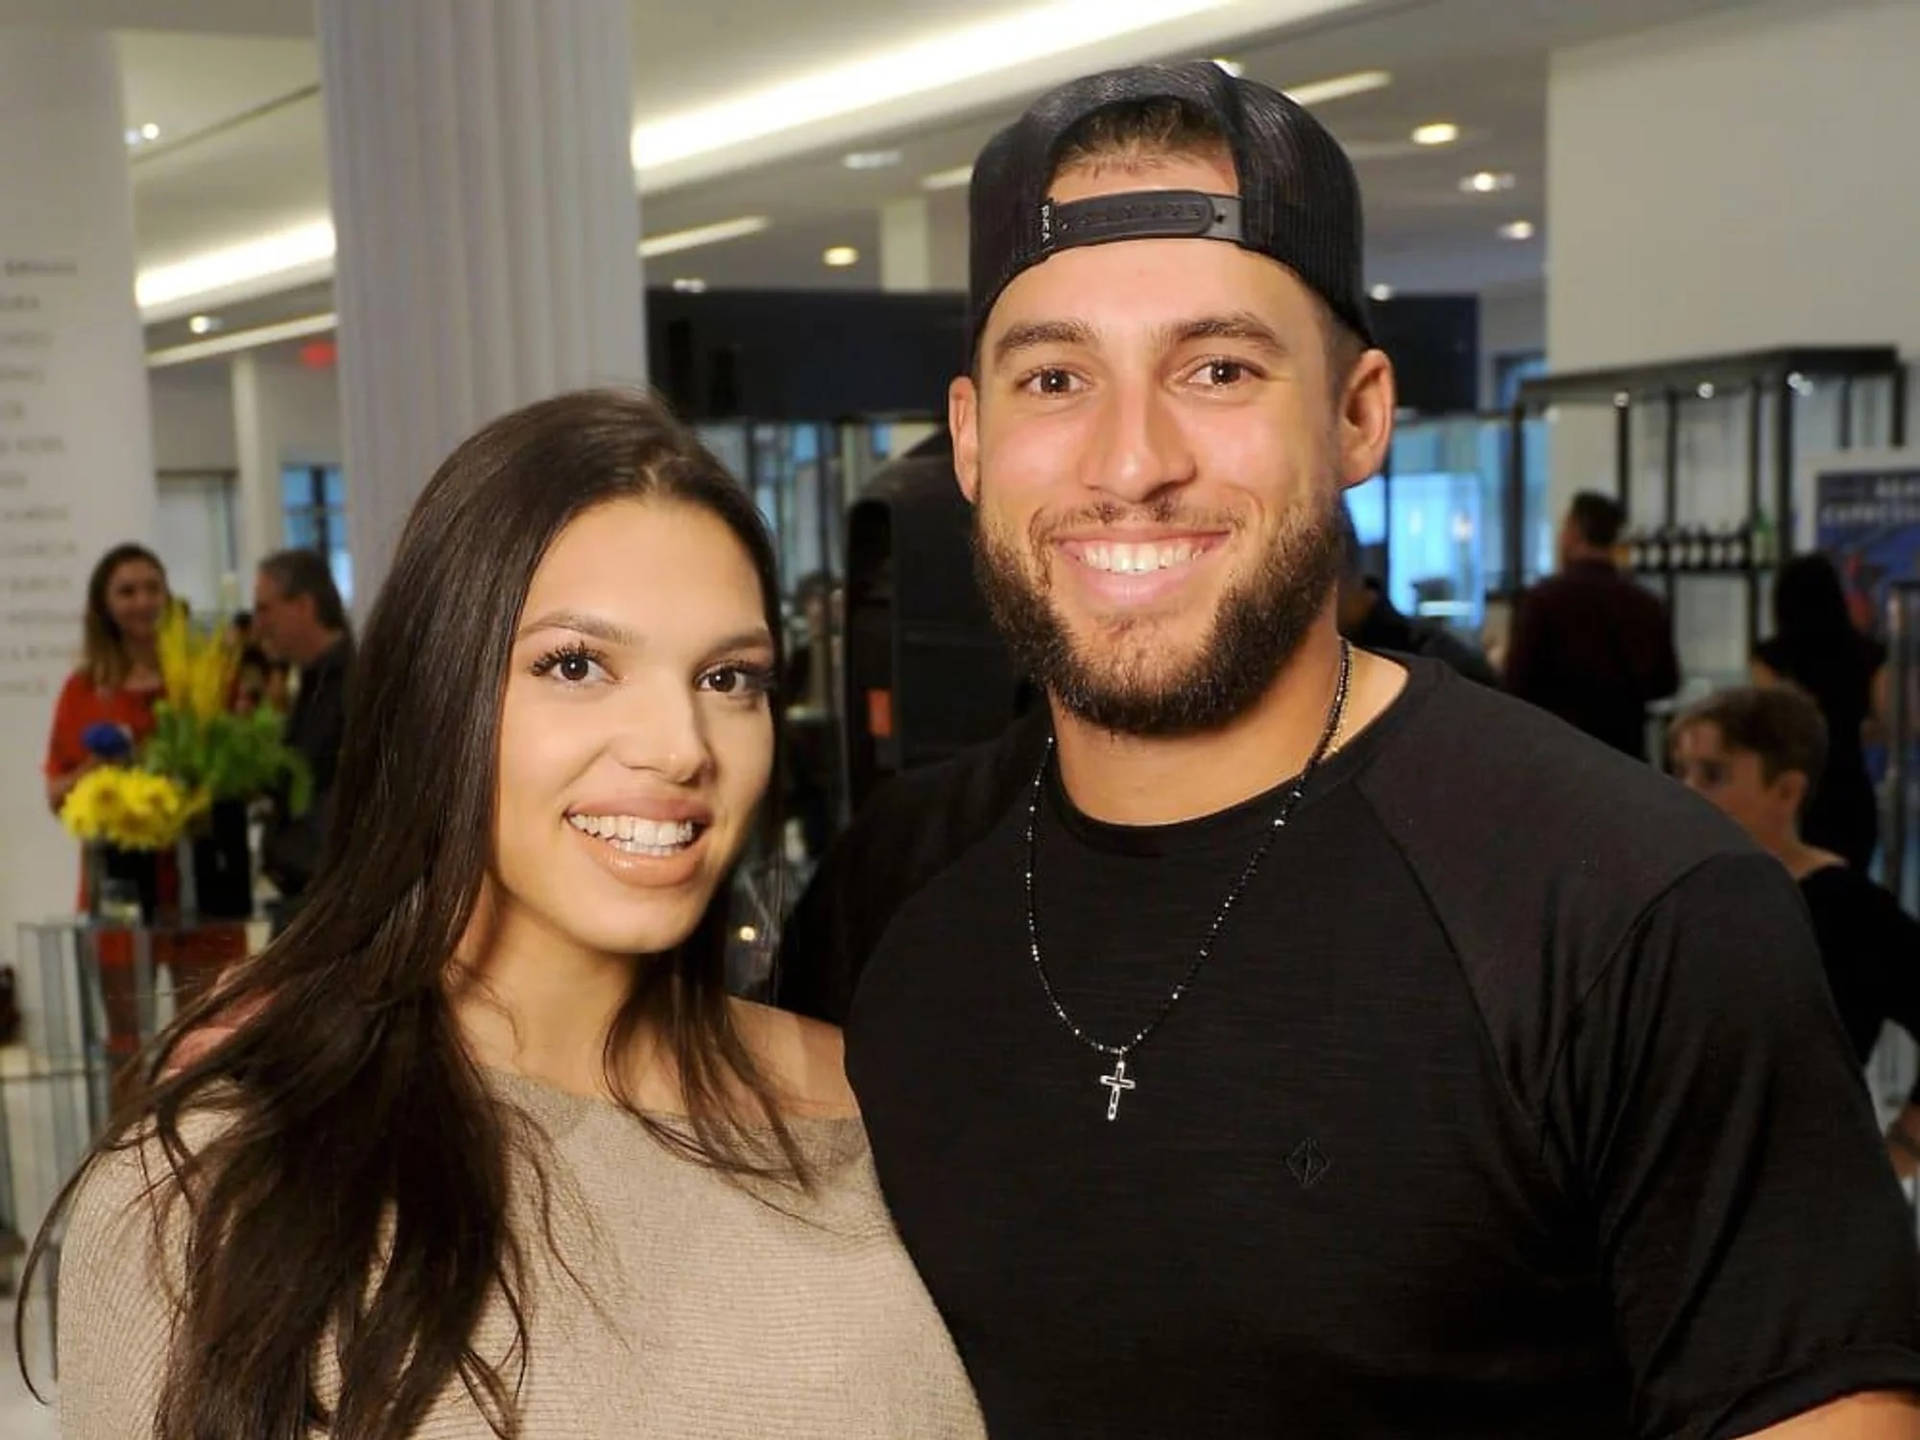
x,y
1735,183
193,416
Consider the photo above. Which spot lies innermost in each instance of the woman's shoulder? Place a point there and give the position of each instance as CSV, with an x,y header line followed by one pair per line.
x,y
805,1059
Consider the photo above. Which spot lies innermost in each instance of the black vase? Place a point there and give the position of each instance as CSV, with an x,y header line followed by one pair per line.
x,y
222,864
139,868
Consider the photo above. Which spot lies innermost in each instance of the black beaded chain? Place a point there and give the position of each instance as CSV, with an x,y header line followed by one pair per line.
x,y
1336,714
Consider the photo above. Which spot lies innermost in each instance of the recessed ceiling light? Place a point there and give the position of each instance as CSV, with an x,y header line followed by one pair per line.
x,y
1486,182
841,256
677,240
870,159
203,324
149,131
1441,132
1705,392
1232,67
1318,92
1381,292
948,179
689,284
1518,230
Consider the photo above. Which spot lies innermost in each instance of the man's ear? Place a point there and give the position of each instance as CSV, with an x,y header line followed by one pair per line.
x,y
963,423
1366,418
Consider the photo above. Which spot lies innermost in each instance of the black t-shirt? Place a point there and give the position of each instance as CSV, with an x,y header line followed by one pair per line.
x,y
1871,950
1512,1102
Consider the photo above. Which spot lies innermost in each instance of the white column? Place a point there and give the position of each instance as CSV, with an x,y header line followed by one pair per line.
x,y
488,226
76,462
257,453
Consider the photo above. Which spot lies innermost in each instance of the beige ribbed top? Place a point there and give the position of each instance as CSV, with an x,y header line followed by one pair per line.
x,y
711,1314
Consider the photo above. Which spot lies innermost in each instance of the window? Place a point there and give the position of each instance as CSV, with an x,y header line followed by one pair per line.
x,y
314,506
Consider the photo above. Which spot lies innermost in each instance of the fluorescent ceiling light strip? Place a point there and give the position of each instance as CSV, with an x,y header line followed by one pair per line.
x,y
948,179
308,244
1318,92
677,240
243,340
951,58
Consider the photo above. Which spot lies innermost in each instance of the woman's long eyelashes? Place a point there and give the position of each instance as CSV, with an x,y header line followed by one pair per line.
x,y
740,680
574,663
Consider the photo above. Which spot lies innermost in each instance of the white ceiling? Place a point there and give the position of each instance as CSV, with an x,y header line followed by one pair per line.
x,y
242,147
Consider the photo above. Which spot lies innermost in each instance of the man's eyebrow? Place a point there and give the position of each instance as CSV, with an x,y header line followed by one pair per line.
x,y
1029,334
1235,325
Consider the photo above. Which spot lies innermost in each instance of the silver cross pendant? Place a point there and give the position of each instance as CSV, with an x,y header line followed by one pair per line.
x,y
1116,1082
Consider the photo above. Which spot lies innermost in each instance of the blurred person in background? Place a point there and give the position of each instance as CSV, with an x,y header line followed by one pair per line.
x,y
105,710
1755,753
299,620
1816,646
1589,644
106,706
1372,621
481,1146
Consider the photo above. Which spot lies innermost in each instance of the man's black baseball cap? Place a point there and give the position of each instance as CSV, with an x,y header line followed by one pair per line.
x,y
1299,202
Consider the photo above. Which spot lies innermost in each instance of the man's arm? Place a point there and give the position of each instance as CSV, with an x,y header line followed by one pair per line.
x,y
1708,1112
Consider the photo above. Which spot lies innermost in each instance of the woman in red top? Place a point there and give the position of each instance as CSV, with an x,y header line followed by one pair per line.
x,y
119,676
116,688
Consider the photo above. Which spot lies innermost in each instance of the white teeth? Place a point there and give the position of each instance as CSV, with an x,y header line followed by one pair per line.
x,y
1137,559
636,835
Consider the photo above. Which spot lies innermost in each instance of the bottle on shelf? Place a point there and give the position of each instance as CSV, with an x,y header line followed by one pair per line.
x,y
1739,549
1763,548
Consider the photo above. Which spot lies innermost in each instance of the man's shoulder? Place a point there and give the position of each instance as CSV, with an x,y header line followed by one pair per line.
x,y
1505,778
1538,849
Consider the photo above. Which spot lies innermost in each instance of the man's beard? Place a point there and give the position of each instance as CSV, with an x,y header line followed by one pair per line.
x,y
1259,627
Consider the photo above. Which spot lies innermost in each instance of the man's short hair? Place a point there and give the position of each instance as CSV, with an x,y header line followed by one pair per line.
x,y
305,572
1139,135
1598,519
1778,723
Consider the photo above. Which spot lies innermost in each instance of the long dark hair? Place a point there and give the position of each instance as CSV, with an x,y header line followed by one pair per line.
x,y
104,656
357,1193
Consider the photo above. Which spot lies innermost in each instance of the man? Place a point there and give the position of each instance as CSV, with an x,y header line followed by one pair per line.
x,y
1590,645
298,619
1754,752
1370,620
1477,1086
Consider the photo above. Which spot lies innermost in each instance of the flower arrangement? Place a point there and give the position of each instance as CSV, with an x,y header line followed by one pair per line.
x,y
199,755
128,809
199,742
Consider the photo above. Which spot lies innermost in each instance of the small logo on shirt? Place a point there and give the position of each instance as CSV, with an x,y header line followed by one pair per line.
x,y
1309,1164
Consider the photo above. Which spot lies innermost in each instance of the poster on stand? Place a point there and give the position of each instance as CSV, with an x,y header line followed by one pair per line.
x,y
1867,519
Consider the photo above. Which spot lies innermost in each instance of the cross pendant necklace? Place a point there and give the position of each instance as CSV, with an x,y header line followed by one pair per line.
x,y
1116,1082
1119,1082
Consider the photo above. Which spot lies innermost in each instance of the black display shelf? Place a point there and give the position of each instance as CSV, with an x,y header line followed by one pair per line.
x,y
1784,373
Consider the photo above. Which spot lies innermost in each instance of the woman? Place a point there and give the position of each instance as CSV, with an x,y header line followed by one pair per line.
x,y
106,706
1817,648
486,1148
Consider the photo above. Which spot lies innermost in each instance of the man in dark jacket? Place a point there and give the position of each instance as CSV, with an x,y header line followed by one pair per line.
x,y
298,618
1589,644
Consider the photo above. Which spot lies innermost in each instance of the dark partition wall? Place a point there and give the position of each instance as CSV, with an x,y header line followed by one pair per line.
x,y
804,355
